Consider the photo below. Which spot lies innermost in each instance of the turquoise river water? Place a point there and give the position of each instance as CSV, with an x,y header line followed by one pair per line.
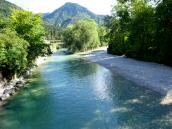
x,y
72,93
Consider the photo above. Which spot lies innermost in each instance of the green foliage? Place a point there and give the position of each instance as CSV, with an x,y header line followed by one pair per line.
x,y
139,30
6,8
21,42
102,31
118,33
82,36
163,36
4,22
12,53
30,27
53,32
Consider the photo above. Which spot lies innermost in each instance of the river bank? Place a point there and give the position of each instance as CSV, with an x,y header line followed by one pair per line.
x,y
154,76
8,89
69,92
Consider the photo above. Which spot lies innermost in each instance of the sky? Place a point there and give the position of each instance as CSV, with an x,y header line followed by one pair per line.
x,y
43,6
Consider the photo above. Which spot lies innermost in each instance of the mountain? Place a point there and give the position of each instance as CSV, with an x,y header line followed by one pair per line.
x,y
7,7
70,13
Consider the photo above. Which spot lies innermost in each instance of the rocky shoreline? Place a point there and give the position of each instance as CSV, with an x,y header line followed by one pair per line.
x,y
8,89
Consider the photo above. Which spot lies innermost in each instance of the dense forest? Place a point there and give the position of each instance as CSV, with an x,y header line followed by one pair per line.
x,y
141,29
21,42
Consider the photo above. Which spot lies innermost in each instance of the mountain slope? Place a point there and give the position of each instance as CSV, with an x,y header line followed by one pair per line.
x,y
70,13
7,7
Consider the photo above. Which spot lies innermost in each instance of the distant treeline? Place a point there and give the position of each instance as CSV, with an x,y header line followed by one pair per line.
x,y
21,42
141,29
53,32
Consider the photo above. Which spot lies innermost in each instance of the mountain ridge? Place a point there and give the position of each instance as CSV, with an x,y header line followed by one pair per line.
x,y
70,13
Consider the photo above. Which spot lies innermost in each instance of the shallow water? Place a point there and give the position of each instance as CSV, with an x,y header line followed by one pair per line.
x,y
72,93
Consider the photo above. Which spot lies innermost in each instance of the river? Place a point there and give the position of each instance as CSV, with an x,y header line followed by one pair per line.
x,y
71,93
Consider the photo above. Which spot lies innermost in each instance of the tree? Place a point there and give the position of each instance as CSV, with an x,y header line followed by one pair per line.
x,y
142,31
119,29
29,26
82,36
21,42
102,31
163,36
53,32
12,53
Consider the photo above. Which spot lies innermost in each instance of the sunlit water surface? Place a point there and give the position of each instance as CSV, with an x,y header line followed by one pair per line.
x,y
72,93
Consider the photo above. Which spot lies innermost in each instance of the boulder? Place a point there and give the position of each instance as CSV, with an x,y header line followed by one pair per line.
x,y
4,97
19,84
17,89
9,91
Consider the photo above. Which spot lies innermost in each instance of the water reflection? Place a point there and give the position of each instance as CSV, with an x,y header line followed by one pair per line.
x,y
71,93
80,68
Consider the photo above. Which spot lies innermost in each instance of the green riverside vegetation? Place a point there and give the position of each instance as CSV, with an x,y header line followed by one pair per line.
x,y
82,36
141,30
21,42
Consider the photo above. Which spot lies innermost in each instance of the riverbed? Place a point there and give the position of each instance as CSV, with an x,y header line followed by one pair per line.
x,y
69,92
154,76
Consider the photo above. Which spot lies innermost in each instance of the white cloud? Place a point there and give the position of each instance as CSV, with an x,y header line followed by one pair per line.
x,y
37,6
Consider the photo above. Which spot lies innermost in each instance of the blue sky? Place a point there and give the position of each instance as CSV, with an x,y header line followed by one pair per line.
x,y
42,6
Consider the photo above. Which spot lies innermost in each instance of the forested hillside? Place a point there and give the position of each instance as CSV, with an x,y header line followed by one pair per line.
x,y
7,7
141,29
69,14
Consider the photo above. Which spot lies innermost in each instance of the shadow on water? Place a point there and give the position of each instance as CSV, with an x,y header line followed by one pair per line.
x,y
138,107
132,107
71,93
